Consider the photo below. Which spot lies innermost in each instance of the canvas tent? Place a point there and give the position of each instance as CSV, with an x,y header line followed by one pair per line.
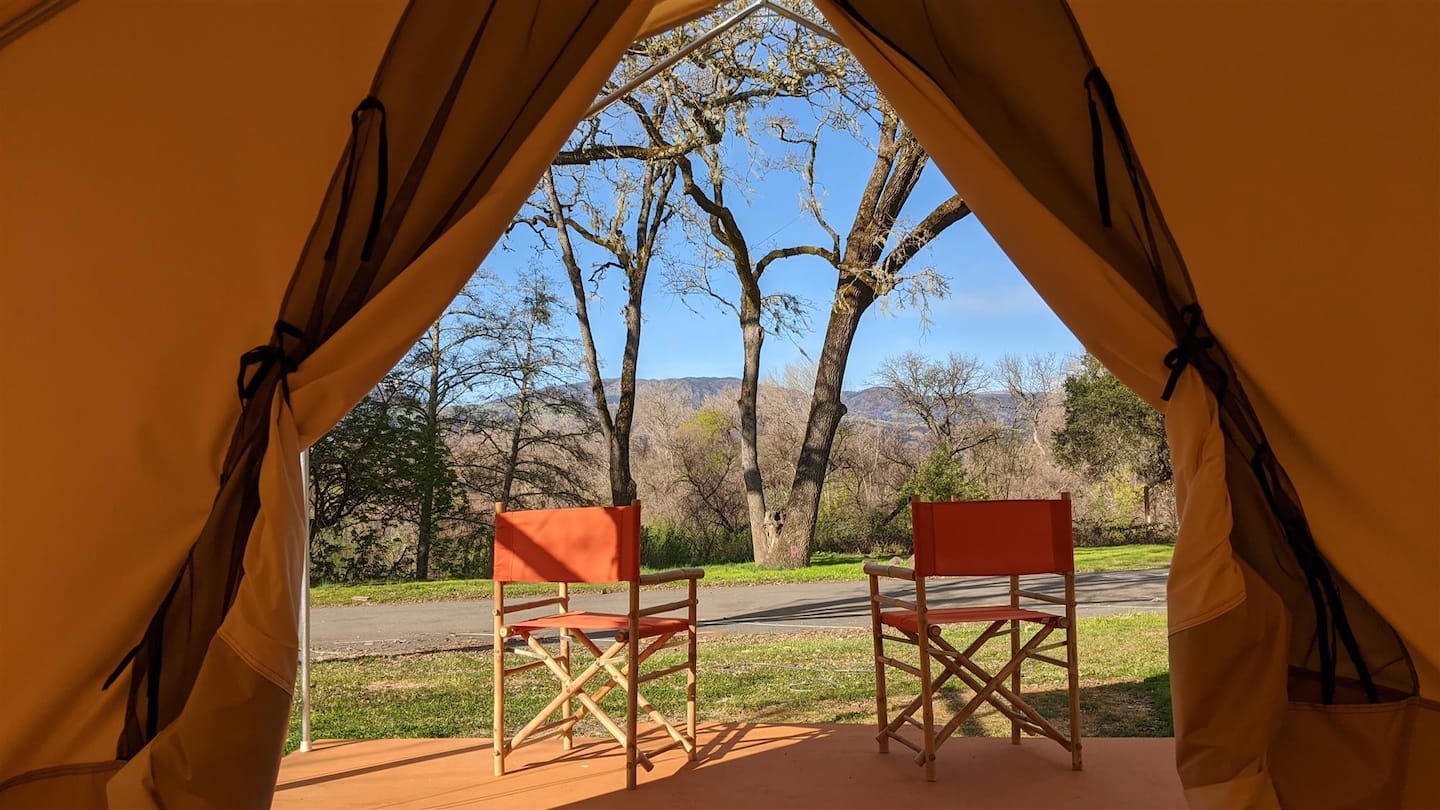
x,y
293,191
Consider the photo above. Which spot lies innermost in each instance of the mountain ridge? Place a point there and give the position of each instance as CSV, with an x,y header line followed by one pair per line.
x,y
873,403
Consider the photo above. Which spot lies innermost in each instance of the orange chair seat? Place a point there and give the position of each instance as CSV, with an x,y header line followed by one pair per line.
x,y
908,621
582,620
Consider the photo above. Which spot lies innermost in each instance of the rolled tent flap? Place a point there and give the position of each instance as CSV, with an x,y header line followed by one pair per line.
x,y
1009,102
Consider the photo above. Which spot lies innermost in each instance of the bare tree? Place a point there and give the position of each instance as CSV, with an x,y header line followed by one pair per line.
x,y
443,368
623,212
1032,384
629,241
871,260
680,124
945,396
527,442
707,466
865,486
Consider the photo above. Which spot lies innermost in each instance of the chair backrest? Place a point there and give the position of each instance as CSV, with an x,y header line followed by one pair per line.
x,y
589,544
985,538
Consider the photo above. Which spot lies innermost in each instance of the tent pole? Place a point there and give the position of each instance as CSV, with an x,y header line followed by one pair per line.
x,y
684,51
305,612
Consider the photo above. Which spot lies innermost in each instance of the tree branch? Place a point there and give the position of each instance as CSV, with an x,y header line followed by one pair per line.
x,y
798,250
808,170
577,284
943,216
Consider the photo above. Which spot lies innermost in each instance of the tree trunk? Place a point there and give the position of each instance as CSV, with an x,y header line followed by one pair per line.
x,y
764,526
426,534
616,430
622,482
797,523
517,432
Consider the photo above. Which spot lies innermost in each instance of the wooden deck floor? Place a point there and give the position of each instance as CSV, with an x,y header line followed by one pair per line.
x,y
752,766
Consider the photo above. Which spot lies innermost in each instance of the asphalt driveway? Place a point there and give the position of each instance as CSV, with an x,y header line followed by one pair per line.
x,y
404,628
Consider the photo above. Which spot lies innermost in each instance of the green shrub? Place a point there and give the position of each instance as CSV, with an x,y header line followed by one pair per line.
x,y
844,526
463,551
1089,534
371,552
943,477
665,545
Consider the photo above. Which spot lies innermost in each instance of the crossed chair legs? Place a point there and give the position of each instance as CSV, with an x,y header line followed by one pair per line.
x,y
617,662
988,688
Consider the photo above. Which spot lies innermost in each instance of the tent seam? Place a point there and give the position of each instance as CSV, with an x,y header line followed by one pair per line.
x,y
269,674
1210,615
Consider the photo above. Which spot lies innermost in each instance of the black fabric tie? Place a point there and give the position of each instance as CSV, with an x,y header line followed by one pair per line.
x,y
1101,98
255,364
1192,345
347,186
1097,146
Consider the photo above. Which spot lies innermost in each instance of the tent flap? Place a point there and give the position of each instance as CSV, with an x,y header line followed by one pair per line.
x,y
1008,99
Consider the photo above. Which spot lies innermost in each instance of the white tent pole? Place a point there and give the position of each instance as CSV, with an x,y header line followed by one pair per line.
x,y
305,612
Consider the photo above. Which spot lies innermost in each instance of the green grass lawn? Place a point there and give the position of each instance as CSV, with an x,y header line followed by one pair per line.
x,y
809,678
824,567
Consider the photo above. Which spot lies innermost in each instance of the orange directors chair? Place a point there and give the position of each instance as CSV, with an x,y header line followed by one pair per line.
x,y
970,539
592,544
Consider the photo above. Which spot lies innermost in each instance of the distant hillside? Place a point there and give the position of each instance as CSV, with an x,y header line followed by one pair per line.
x,y
874,404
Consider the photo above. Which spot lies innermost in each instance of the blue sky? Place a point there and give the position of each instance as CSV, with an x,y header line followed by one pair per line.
x,y
991,309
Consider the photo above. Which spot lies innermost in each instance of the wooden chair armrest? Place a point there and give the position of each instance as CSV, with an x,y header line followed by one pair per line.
x,y
892,571
670,576
667,607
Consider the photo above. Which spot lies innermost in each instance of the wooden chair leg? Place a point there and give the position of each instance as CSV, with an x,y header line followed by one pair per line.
x,y
928,706
882,702
691,677
1073,667
985,693
497,728
567,739
959,665
1014,651
632,687
575,689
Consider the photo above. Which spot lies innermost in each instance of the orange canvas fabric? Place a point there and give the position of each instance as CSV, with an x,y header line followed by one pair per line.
x,y
581,620
667,14
1235,132
212,156
992,538
162,166
588,544
910,620
1302,306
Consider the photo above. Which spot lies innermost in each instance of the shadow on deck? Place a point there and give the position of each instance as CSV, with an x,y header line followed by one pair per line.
x,y
742,765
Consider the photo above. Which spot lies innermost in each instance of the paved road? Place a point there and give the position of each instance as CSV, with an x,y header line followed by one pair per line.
x,y
399,628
